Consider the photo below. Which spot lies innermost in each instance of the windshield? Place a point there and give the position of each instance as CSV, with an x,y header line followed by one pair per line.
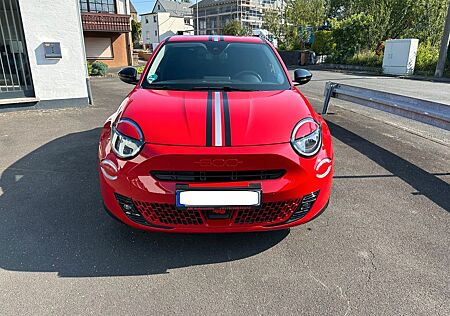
x,y
215,65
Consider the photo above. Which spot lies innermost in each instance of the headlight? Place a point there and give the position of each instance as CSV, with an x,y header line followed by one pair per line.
x,y
306,137
127,138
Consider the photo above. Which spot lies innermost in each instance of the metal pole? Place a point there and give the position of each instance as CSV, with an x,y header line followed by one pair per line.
x,y
240,11
237,10
444,46
329,88
196,4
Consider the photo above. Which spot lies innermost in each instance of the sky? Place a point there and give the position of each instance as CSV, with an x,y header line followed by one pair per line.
x,y
143,6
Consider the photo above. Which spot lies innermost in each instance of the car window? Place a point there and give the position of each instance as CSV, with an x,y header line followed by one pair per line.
x,y
216,65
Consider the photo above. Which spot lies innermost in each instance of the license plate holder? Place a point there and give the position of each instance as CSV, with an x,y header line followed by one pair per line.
x,y
218,197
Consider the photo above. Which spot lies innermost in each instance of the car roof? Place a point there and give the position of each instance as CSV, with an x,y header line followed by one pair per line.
x,y
216,38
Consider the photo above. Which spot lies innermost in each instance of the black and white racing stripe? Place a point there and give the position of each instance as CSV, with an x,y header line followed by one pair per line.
x,y
209,119
226,119
215,38
218,119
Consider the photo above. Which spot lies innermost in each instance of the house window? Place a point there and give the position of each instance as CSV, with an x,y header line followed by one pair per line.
x,y
154,18
156,33
159,7
146,20
99,6
147,35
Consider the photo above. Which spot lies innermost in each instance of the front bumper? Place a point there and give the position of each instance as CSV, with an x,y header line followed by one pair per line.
x,y
151,203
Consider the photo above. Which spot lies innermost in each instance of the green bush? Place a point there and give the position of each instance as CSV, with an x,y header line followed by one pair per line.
x,y
351,35
98,69
365,58
89,66
323,43
426,58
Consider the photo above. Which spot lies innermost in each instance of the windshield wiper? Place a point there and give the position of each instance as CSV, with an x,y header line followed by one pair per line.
x,y
223,88
170,87
165,87
157,87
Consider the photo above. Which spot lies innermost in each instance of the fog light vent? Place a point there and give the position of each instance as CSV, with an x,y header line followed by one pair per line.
x,y
305,206
127,206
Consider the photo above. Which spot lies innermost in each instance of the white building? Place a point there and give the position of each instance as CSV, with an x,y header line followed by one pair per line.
x,y
166,19
213,15
42,60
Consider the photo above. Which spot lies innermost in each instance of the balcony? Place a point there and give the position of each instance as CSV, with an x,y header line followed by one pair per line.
x,y
105,22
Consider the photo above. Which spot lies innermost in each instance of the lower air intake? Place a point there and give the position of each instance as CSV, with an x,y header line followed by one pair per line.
x,y
305,206
268,213
127,206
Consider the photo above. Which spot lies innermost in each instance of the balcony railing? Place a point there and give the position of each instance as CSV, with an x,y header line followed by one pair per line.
x,y
105,22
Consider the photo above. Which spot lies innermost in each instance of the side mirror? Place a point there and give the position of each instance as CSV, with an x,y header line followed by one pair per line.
x,y
128,75
302,76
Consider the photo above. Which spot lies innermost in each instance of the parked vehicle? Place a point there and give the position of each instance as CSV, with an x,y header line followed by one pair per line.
x,y
215,137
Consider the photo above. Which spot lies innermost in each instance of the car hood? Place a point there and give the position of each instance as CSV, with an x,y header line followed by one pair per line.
x,y
210,118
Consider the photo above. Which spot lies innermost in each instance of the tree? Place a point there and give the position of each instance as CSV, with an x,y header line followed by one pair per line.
x,y
234,28
273,22
444,47
353,34
305,12
136,31
422,19
287,23
323,43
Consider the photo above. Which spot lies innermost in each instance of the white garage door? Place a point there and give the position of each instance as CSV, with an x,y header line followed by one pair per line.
x,y
98,47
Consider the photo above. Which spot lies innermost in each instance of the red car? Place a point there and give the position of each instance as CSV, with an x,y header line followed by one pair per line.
x,y
214,137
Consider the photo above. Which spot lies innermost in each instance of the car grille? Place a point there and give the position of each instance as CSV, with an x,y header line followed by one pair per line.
x,y
168,214
268,212
217,176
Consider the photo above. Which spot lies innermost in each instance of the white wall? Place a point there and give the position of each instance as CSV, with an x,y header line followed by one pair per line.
x,y
55,21
169,25
164,26
149,27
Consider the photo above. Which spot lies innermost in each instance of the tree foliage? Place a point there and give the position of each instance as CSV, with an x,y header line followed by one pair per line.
x,y
285,23
323,43
422,19
353,34
360,24
136,31
235,28
305,12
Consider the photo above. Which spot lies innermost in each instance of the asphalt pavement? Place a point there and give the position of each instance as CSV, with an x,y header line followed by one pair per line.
x,y
381,248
